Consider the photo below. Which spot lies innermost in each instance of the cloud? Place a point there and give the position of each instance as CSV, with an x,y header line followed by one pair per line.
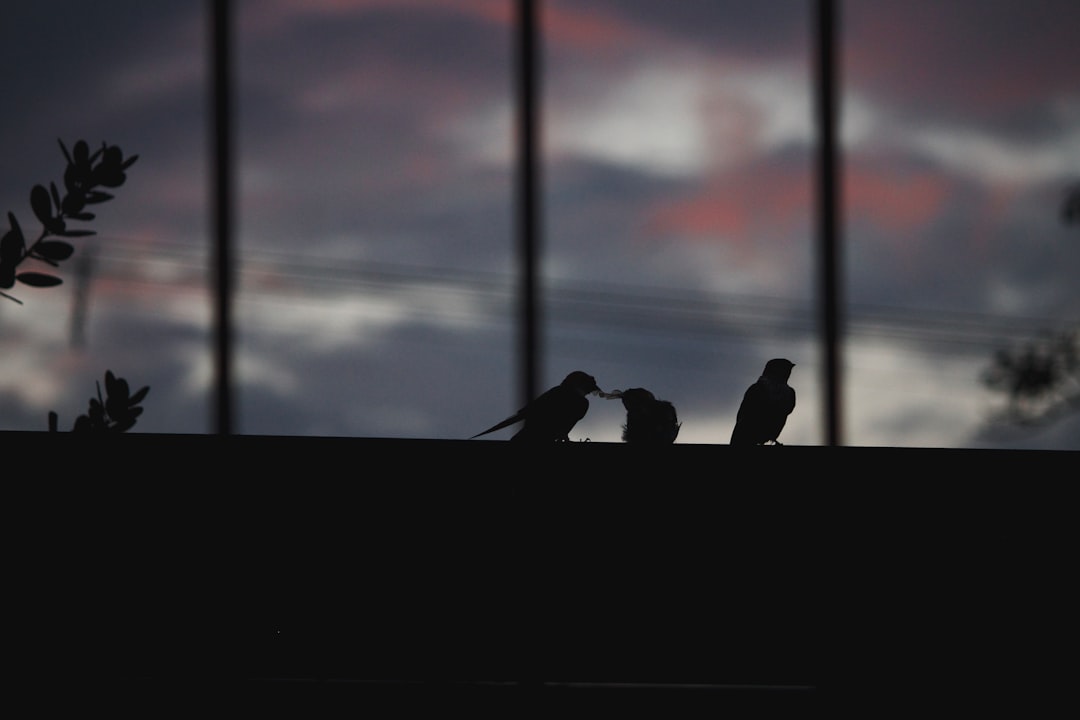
x,y
997,160
649,121
963,58
683,116
679,174
902,202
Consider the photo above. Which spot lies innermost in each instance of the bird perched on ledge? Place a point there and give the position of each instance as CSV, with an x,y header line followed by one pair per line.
x,y
649,421
551,416
765,406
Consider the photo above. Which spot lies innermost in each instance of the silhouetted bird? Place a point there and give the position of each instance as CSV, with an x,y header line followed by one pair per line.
x,y
765,406
551,416
649,421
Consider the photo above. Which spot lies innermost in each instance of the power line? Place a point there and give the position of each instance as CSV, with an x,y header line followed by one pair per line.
x,y
277,276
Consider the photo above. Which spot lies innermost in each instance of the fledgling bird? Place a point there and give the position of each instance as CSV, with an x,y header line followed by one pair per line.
x,y
649,421
551,416
765,406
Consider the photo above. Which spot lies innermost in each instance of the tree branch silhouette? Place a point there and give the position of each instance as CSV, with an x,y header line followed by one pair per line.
x,y
116,412
85,173
1041,379
1070,210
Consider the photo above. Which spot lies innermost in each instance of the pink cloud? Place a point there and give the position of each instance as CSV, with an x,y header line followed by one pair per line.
x,y
570,25
894,200
734,207
743,208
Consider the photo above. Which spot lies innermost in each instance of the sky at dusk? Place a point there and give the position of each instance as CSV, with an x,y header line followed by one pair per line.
x,y
375,217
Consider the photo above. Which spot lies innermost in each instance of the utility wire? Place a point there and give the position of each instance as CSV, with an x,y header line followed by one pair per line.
x,y
267,276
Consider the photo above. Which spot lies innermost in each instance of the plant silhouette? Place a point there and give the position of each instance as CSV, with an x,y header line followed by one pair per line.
x,y
116,412
1041,379
86,172
1070,210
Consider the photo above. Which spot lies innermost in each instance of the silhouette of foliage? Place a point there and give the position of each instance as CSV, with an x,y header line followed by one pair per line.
x,y
1071,210
116,412
86,172
1041,379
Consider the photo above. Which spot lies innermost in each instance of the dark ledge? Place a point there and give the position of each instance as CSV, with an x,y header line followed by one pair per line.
x,y
433,566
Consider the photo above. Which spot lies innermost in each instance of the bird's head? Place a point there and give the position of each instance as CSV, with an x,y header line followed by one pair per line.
x,y
634,398
581,382
778,369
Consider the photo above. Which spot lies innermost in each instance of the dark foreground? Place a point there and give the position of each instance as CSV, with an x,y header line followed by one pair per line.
x,y
308,577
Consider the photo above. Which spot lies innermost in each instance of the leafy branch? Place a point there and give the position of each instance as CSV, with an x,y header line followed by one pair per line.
x,y
1070,211
1040,379
85,173
116,412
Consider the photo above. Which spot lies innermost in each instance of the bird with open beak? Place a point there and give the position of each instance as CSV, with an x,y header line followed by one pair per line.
x,y
552,415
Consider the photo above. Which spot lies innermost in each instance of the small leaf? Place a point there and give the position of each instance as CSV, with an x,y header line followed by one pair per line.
x,y
97,196
85,216
36,279
7,276
137,397
82,152
129,162
42,204
77,233
73,202
123,426
118,392
55,249
65,150
13,244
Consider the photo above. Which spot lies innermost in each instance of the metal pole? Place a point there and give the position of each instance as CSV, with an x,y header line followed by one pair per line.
x,y
826,38
221,203
528,215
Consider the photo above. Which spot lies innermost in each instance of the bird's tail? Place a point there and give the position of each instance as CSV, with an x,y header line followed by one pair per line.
x,y
505,423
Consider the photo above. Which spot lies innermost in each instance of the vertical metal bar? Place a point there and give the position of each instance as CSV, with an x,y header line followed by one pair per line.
x,y
826,38
221,204
528,187
528,227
